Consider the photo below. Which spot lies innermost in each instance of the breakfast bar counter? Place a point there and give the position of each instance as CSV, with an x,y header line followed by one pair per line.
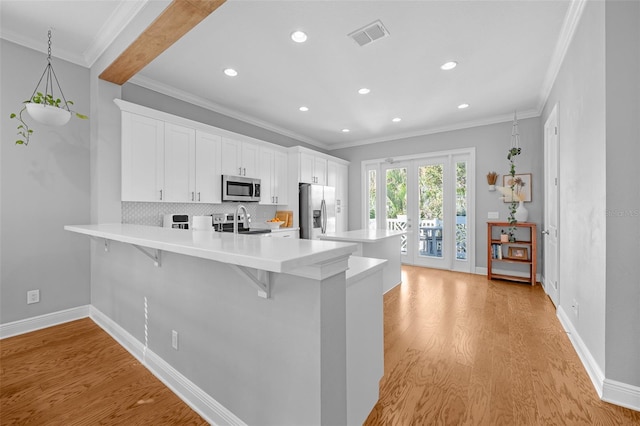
x,y
282,358
376,243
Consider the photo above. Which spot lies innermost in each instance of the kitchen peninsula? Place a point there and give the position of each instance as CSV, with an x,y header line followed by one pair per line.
x,y
379,244
276,359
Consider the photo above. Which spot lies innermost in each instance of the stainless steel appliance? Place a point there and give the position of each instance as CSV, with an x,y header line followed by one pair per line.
x,y
239,188
317,210
177,221
224,222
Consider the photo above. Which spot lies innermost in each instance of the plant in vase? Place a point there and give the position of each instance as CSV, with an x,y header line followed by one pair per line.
x,y
54,115
492,178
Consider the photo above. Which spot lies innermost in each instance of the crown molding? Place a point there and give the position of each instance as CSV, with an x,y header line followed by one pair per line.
x,y
182,95
569,26
114,25
532,113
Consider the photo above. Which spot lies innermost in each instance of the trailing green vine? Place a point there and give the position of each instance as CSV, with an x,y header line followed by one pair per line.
x,y
513,152
24,131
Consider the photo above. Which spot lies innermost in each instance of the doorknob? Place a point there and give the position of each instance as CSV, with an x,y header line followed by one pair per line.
x,y
545,232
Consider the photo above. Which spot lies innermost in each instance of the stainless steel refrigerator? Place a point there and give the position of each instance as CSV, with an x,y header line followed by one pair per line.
x,y
317,210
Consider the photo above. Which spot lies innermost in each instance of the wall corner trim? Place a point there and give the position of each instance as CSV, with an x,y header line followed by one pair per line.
x,y
43,321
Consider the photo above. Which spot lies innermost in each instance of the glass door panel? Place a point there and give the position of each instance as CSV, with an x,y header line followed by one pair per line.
x,y
461,210
431,196
396,202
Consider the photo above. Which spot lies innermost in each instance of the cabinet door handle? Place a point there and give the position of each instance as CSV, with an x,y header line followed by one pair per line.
x,y
276,199
161,195
239,171
198,196
193,196
244,172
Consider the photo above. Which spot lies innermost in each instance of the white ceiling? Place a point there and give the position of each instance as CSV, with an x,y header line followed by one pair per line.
x,y
507,52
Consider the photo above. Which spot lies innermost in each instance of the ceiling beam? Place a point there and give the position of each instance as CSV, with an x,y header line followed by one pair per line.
x,y
174,22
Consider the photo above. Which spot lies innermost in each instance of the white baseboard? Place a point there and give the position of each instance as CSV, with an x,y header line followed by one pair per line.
x,y
612,391
210,409
43,321
593,369
622,394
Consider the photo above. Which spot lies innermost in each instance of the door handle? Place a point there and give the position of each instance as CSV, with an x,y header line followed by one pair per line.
x,y
546,232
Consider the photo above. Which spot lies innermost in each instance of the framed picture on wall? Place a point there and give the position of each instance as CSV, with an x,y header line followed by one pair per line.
x,y
522,187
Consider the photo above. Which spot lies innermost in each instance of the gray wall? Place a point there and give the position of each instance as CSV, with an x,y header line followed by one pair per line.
x,y
43,187
597,93
622,340
491,143
149,98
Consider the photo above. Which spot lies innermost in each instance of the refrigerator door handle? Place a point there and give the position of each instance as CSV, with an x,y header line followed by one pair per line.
x,y
323,212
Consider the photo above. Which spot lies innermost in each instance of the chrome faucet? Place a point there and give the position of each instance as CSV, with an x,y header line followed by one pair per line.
x,y
244,219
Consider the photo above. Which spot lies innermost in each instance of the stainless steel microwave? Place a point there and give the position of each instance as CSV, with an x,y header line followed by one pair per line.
x,y
238,188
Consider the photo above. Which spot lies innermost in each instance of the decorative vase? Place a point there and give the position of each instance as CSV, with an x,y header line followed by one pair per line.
x,y
521,213
48,114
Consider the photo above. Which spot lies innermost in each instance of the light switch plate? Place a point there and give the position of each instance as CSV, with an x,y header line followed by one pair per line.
x,y
493,215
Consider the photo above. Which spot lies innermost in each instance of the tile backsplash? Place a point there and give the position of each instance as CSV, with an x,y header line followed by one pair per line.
x,y
151,214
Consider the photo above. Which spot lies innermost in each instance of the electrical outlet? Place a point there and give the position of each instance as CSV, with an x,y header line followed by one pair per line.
x,y
33,296
493,215
174,339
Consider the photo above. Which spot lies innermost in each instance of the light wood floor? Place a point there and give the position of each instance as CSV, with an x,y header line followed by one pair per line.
x,y
76,374
462,350
459,350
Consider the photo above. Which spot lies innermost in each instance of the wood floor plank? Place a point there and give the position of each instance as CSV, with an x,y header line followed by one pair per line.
x,y
462,350
76,374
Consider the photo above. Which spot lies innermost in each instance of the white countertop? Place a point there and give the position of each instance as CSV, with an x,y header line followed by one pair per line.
x,y
268,254
362,235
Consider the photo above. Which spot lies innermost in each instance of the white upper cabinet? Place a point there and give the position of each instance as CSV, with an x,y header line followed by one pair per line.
x,y
142,158
281,177
240,158
179,171
273,176
313,168
207,161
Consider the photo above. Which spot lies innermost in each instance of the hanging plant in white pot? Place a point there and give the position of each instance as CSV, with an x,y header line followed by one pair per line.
x,y
44,107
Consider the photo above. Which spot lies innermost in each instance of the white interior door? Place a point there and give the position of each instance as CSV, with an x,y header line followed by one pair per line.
x,y
551,231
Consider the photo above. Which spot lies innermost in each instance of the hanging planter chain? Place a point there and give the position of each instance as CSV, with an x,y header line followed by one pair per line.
x,y
49,72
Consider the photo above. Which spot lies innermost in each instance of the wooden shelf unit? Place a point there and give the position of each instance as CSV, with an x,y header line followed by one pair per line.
x,y
493,239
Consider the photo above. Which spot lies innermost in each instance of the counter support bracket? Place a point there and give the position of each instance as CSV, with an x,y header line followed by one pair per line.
x,y
261,279
154,255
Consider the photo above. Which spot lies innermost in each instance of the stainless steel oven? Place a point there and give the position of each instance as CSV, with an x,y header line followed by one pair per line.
x,y
239,188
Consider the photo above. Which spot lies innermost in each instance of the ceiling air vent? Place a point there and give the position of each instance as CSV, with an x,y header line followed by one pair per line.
x,y
369,33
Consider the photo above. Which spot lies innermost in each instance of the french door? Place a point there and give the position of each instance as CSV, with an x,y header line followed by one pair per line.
x,y
431,198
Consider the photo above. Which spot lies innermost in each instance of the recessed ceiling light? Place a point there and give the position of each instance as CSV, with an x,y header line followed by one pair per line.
x,y
397,120
449,65
363,91
299,36
463,106
304,108
345,130
230,72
